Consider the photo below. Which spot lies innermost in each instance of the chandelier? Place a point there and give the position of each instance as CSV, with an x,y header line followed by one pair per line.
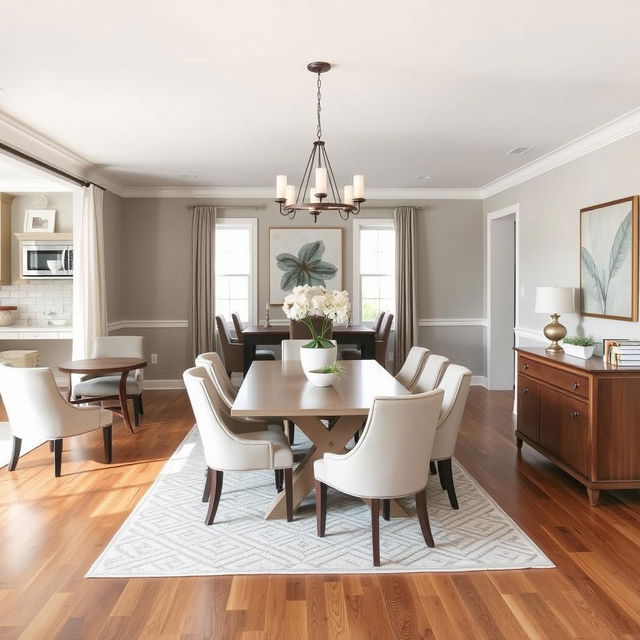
x,y
325,196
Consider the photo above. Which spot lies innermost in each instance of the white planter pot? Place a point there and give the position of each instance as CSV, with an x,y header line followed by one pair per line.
x,y
578,352
314,359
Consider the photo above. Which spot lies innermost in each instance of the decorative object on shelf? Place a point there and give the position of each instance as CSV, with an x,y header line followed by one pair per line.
x,y
327,376
6,316
39,220
554,301
621,352
267,323
325,196
578,346
303,256
609,260
305,302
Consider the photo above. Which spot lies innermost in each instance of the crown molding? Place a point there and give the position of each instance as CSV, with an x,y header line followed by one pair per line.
x,y
608,133
262,193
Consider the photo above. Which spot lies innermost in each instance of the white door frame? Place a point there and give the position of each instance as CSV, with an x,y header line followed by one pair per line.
x,y
513,209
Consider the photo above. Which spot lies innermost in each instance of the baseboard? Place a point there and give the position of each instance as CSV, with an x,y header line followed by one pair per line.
x,y
163,384
479,381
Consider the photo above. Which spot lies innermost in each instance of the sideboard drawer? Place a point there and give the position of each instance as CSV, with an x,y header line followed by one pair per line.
x,y
562,379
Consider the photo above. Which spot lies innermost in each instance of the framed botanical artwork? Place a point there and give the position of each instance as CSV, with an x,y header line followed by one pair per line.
x,y
609,260
303,255
40,220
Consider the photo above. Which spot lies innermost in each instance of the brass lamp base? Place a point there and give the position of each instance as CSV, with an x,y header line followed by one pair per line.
x,y
554,332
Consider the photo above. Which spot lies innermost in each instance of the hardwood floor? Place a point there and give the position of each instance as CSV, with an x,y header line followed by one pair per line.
x,y
51,530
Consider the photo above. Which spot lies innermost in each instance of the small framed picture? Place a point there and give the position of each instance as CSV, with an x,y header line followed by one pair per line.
x,y
40,220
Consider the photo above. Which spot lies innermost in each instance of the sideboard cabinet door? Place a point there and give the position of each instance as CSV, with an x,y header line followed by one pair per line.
x,y
528,418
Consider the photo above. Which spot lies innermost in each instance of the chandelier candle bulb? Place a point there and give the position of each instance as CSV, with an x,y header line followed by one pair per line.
x,y
291,194
321,180
312,195
281,187
348,194
358,186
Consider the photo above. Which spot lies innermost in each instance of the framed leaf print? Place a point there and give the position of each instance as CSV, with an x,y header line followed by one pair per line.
x,y
303,255
609,260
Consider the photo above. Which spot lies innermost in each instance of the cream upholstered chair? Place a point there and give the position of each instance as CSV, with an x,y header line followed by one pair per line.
x,y
455,383
213,364
36,410
390,461
355,354
225,450
412,367
116,347
431,374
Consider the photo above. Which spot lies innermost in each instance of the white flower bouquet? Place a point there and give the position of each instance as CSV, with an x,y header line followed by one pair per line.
x,y
305,302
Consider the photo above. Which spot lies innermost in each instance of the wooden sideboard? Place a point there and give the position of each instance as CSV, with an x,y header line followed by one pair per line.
x,y
584,415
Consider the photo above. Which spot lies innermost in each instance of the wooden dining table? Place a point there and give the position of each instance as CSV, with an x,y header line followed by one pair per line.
x,y
280,389
94,367
255,334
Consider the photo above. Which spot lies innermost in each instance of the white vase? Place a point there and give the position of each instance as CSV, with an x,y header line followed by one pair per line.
x,y
578,352
314,359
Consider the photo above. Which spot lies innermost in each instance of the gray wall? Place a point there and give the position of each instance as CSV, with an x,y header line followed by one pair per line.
x,y
153,235
550,227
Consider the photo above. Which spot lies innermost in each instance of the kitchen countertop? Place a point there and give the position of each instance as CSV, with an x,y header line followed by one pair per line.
x,y
21,331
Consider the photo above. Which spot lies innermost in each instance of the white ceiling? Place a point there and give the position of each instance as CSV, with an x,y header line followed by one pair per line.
x,y
148,91
18,177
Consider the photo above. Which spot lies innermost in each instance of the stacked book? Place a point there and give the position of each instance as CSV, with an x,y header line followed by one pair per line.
x,y
623,353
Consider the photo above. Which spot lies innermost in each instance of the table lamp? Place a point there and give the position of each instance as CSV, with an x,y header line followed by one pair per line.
x,y
554,301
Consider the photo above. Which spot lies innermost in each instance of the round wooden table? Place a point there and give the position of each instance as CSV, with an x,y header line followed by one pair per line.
x,y
95,367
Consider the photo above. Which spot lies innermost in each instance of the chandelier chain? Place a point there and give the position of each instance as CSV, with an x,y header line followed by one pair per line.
x,y
319,109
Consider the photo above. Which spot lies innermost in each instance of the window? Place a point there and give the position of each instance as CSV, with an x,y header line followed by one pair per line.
x,y
235,268
374,269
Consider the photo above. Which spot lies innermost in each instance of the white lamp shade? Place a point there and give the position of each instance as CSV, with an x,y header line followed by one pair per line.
x,y
554,300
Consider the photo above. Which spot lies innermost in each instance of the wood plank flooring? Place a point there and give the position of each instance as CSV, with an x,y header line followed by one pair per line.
x,y
52,529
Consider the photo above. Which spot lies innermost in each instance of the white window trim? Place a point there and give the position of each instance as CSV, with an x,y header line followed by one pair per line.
x,y
358,225
245,223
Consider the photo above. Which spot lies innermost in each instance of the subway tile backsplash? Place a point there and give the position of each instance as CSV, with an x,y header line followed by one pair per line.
x,y
33,299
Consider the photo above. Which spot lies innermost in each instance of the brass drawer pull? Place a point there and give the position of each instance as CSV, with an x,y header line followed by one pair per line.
x,y
576,386
525,366
525,391
575,415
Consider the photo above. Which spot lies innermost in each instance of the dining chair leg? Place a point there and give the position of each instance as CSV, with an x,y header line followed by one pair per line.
x,y
432,468
386,509
356,436
423,516
279,479
140,407
446,475
375,530
57,457
15,453
107,441
214,495
321,508
288,492
290,430
207,485
51,446
136,411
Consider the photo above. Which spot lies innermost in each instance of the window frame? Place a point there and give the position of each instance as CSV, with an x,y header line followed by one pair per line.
x,y
358,226
252,225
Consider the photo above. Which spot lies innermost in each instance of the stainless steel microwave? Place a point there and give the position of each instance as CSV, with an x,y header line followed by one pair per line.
x,y
46,259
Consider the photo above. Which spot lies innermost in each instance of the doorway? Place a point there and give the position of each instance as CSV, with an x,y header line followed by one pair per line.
x,y
502,298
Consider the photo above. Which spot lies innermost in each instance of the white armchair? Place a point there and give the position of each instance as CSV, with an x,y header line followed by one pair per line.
x,y
412,367
291,349
116,347
428,380
225,450
37,410
389,461
455,383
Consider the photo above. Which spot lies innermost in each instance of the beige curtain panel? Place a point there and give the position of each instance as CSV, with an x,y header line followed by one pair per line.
x,y
406,285
203,295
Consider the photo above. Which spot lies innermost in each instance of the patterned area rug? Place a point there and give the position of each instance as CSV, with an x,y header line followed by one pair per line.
x,y
165,534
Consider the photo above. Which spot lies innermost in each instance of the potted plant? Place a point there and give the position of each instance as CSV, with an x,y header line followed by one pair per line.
x,y
302,304
579,346
326,376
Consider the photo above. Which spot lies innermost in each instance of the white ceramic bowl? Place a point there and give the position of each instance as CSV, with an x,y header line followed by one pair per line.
x,y
54,265
321,379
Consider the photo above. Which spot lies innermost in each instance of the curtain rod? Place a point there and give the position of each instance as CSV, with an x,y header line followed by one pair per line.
x,y
227,206
48,167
